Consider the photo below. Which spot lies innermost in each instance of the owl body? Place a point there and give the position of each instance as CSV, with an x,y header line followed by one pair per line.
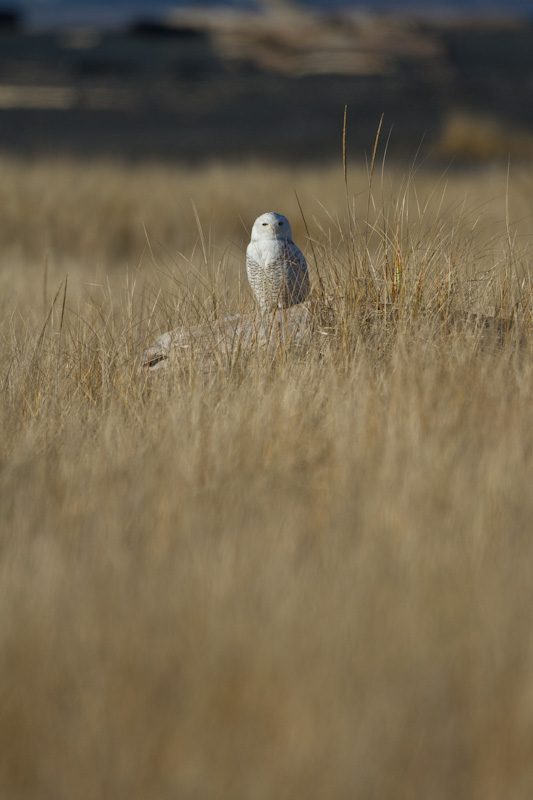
x,y
276,268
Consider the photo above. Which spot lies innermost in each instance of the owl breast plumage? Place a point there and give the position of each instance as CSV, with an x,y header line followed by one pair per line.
x,y
276,268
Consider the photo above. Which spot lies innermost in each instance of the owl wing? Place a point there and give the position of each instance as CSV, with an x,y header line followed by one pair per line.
x,y
296,257
253,267
257,277
298,276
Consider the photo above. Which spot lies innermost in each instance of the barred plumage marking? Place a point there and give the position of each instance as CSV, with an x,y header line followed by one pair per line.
x,y
276,267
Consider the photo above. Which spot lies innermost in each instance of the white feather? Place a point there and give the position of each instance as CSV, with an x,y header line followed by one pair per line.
x,y
276,267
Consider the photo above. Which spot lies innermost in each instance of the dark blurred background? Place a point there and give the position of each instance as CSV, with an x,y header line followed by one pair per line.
x,y
266,80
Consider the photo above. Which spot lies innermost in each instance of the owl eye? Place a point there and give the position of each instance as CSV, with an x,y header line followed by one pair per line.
x,y
265,224
280,223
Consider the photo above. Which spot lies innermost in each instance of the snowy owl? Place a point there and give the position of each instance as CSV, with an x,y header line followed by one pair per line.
x,y
276,268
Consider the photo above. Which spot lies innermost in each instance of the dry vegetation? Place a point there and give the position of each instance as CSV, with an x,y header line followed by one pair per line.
x,y
474,136
302,575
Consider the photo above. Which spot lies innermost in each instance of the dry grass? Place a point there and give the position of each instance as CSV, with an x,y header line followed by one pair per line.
x,y
475,136
305,576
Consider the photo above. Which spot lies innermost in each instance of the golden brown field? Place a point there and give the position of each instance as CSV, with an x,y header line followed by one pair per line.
x,y
307,574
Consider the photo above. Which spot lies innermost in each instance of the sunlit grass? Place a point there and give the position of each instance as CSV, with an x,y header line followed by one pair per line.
x,y
296,574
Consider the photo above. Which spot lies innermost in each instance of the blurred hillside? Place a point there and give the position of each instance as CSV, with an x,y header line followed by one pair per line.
x,y
273,86
58,13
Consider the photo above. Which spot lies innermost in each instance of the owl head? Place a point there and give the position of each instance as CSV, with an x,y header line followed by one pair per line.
x,y
271,226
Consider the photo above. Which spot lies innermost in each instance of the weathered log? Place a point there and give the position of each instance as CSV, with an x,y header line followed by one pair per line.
x,y
227,338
